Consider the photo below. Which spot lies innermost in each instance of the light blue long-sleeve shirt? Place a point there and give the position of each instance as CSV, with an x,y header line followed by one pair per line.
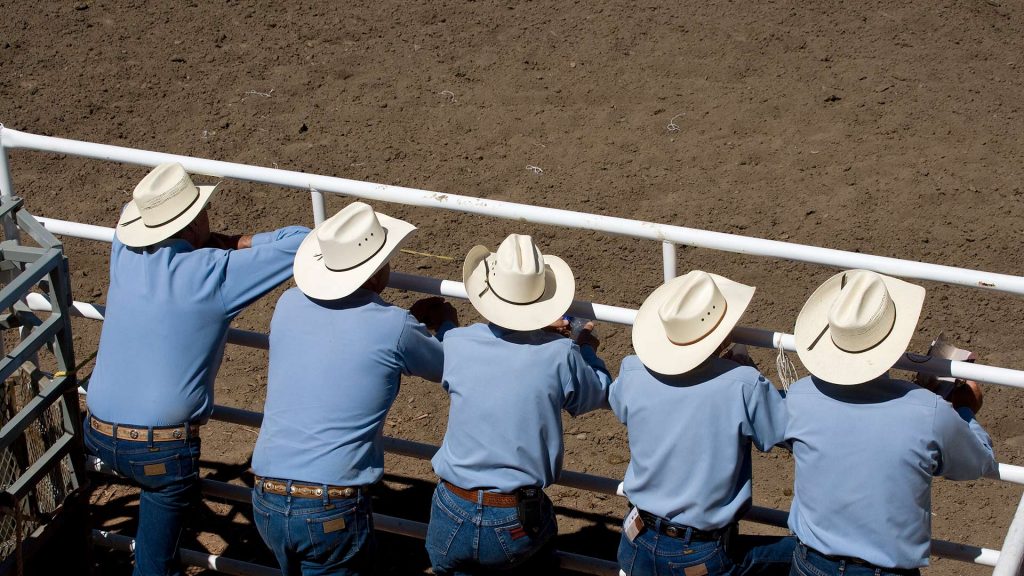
x,y
865,458
690,437
168,311
335,369
507,392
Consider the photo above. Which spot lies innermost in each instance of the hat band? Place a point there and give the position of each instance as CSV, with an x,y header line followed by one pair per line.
x,y
358,264
487,281
169,220
725,308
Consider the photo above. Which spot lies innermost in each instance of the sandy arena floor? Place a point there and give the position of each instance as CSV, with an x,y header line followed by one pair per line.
x,y
890,128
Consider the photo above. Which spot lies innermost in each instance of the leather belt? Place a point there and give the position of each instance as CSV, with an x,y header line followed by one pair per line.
x,y
673,530
160,434
280,487
861,562
495,499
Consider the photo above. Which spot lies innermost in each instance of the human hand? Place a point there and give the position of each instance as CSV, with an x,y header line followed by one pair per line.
x,y
434,310
449,313
967,395
223,241
927,381
587,338
739,354
560,326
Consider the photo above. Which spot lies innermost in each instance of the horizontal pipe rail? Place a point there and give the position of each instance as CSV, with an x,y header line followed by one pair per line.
x,y
14,139
384,523
605,313
667,234
27,348
189,557
411,528
1005,472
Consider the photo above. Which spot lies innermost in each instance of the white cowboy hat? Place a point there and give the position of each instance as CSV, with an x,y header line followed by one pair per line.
x,y
163,203
345,250
685,320
517,287
856,325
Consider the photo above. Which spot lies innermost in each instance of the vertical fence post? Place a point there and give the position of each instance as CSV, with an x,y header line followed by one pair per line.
x,y
319,207
1010,557
668,254
6,190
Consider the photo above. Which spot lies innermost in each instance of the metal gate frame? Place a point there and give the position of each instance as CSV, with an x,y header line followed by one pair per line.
x,y
42,272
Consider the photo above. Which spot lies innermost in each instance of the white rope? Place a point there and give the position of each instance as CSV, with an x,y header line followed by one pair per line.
x,y
784,367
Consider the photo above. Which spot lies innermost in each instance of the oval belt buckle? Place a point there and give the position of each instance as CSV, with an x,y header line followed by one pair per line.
x,y
177,433
134,434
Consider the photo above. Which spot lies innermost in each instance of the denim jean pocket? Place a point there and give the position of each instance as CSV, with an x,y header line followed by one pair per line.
x,y
336,536
160,470
710,554
443,526
261,518
803,566
518,544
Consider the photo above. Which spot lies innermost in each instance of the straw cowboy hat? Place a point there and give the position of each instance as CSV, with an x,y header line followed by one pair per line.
x,y
345,250
685,320
163,203
856,325
517,287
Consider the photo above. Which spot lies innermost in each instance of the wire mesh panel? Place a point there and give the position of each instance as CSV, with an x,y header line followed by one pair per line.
x,y
40,440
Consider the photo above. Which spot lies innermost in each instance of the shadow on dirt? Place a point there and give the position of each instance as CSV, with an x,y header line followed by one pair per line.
x,y
226,526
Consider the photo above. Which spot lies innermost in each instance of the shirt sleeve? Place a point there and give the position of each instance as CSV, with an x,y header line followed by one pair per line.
x,y
766,414
587,388
252,272
614,399
419,353
965,450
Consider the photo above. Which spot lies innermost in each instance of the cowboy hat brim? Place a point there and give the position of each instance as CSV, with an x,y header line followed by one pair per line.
x,y
559,289
827,361
132,231
663,356
317,281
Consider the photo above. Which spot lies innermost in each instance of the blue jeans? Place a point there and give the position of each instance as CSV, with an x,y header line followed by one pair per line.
x,y
654,553
168,474
316,536
810,562
470,538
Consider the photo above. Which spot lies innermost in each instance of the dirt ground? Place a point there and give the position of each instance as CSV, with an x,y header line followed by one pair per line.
x,y
890,128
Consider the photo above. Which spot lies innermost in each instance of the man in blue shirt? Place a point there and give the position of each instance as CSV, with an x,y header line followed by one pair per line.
x,y
508,382
867,446
337,355
169,305
692,418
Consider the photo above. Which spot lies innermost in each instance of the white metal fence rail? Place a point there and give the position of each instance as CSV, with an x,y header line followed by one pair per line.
x,y
1008,561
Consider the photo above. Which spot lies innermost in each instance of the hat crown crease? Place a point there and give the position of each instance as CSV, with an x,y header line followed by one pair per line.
x,y
694,310
862,314
518,273
164,194
350,237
